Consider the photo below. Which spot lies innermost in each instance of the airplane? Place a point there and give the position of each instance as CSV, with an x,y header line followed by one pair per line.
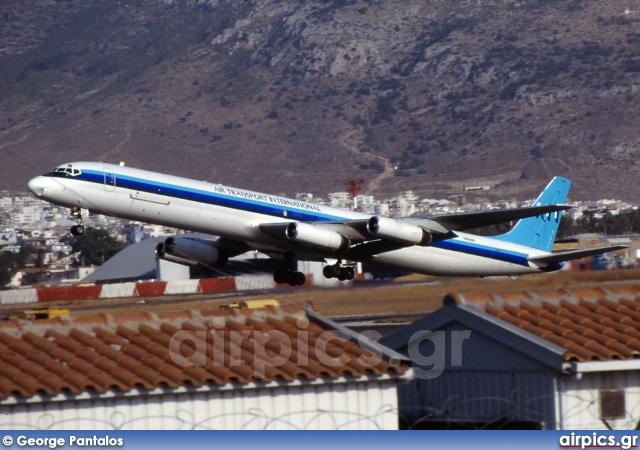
x,y
294,230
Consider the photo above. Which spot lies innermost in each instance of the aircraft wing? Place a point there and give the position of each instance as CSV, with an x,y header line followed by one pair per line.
x,y
575,254
382,234
467,221
444,224
231,247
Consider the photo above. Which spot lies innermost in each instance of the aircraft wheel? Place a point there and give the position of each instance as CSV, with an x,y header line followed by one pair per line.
x,y
280,276
77,230
297,279
350,273
327,271
337,271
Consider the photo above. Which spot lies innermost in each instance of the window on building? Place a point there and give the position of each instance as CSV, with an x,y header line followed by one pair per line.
x,y
612,404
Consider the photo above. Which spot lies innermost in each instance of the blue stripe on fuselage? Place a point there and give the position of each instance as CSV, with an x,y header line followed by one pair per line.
x,y
201,196
458,245
270,209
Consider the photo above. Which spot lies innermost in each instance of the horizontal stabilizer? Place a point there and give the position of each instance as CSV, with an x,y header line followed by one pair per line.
x,y
575,254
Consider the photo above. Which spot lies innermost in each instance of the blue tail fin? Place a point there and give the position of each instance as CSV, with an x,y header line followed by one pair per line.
x,y
540,231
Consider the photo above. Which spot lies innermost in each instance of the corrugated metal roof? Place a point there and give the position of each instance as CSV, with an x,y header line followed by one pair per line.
x,y
590,324
149,350
134,262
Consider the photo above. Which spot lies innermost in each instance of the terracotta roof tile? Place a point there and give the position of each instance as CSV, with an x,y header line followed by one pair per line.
x,y
145,350
11,324
174,315
7,386
203,376
607,337
134,317
110,337
594,324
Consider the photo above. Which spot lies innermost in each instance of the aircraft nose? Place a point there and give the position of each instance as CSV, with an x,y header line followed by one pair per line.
x,y
37,185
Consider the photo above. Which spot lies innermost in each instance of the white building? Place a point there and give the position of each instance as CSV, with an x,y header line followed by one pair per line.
x,y
341,200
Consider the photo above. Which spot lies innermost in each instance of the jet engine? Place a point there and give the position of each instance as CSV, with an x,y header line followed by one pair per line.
x,y
316,236
190,252
394,230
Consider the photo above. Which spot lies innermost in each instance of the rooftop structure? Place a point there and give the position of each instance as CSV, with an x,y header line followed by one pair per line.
x,y
274,368
567,359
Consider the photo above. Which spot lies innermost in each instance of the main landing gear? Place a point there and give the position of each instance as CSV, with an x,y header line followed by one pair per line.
x,y
339,272
77,230
289,276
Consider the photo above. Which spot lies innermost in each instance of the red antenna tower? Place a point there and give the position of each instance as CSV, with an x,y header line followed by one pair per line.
x,y
354,187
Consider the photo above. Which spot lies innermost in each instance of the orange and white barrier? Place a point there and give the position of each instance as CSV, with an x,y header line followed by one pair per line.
x,y
140,289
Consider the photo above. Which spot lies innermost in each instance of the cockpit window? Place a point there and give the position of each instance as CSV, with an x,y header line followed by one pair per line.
x,y
65,171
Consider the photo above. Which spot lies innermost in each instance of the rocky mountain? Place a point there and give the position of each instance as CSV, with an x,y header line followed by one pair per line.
x,y
287,96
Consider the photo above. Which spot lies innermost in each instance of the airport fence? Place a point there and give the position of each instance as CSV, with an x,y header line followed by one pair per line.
x,y
140,289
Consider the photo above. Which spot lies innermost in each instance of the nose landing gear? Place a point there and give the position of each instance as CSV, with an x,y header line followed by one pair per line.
x,y
77,230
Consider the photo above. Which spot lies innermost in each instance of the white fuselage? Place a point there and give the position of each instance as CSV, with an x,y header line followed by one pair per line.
x,y
162,199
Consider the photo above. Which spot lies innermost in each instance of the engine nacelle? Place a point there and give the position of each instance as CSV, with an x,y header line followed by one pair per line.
x,y
394,230
189,251
316,236
161,252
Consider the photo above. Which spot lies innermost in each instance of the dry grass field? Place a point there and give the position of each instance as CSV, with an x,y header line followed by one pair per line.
x,y
417,293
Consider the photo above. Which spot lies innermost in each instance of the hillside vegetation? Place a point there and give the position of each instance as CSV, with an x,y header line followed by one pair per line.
x,y
289,96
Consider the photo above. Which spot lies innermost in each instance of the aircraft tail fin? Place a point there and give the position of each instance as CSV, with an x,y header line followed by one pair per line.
x,y
540,231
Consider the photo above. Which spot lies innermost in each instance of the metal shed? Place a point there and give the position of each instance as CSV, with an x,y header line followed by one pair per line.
x,y
554,360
